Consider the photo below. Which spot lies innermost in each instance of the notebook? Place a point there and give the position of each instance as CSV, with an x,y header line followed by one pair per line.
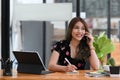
x,y
30,62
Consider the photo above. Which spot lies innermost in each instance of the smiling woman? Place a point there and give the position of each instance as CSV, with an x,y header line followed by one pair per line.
x,y
77,48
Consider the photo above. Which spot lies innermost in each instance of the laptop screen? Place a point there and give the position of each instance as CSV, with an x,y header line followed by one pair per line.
x,y
28,60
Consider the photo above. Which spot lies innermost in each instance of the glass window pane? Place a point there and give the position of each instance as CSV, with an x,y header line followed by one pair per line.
x,y
59,30
115,29
30,1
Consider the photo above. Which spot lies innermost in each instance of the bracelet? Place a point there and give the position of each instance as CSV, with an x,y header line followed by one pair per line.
x,y
92,48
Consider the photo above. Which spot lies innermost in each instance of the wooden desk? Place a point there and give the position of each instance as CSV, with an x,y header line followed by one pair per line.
x,y
56,76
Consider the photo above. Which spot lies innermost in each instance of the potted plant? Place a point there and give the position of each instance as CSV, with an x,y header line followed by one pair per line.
x,y
103,46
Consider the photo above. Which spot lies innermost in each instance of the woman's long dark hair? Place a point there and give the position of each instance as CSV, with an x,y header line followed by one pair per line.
x,y
83,50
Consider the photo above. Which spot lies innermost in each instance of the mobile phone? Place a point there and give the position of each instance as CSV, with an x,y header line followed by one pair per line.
x,y
86,39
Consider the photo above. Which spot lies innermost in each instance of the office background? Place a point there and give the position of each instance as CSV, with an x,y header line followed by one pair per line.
x,y
34,25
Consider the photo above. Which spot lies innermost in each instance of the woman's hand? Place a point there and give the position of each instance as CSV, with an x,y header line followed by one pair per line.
x,y
90,39
70,68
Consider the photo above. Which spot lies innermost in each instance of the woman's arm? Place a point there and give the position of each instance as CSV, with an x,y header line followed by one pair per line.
x,y
93,59
53,66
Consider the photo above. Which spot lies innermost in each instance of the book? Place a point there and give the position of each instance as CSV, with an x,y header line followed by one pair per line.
x,y
96,74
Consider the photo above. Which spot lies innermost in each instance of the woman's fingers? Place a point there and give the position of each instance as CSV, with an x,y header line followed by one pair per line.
x,y
89,36
70,68
74,66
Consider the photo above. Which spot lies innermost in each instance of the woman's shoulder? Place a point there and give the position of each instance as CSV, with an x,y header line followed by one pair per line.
x,y
58,45
62,42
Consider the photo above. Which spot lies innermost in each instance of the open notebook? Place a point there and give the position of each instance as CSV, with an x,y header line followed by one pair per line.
x,y
30,62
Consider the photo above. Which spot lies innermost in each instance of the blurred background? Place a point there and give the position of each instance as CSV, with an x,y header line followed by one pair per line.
x,y
35,25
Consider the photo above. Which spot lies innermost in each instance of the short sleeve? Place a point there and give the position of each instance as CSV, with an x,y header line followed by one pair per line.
x,y
56,47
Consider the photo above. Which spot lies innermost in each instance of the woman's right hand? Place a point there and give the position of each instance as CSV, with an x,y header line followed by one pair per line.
x,y
70,68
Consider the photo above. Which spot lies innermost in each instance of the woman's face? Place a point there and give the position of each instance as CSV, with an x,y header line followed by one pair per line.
x,y
78,31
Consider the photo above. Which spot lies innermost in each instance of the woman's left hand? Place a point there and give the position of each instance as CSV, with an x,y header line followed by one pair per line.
x,y
90,38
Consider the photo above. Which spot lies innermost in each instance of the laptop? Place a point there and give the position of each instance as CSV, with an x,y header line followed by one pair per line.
x,y
30,62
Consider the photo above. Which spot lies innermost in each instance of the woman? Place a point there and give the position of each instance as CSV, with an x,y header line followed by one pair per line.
x,y
77,48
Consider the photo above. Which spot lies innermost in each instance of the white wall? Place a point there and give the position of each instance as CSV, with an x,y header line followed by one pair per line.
x,y
43,12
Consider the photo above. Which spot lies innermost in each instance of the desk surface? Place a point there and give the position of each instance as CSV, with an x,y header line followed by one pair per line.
x,y
55,76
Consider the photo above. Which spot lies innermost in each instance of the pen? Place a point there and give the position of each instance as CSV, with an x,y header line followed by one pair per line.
x,y
70,64
67,61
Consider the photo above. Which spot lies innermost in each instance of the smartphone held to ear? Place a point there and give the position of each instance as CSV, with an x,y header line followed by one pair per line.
x,y
86,38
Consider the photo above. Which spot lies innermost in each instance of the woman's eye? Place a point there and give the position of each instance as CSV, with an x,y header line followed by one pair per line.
x,y
76,27
82,28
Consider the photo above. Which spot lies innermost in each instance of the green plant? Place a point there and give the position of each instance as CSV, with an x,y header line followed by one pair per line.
x,y
103,46
111,62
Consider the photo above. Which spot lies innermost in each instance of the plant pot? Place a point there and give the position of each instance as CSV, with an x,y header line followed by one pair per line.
x,y
106,68
114,71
